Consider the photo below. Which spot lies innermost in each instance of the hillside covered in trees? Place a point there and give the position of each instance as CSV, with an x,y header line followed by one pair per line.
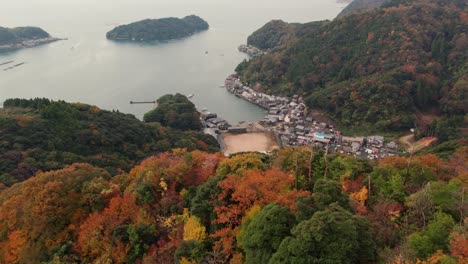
x,y
175,111
42,135
162,29
380,69
10,36
295,206
278,34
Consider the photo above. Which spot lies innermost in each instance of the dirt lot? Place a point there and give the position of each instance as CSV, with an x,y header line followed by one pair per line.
x,y
416,146
259,141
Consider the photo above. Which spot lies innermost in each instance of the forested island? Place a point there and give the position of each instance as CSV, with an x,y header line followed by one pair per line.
x,y
159,29
23,37
386,69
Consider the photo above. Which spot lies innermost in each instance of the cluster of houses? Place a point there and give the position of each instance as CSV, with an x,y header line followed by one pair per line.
x,y
211,120
287,118
214,125
251,50
28,43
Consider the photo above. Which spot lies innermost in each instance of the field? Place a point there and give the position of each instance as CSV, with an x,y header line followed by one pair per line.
x,y
259,141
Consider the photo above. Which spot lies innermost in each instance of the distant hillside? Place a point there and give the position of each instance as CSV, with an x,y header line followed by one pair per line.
x,y
159,29
359,6
378,69
17,35
278,33
45,135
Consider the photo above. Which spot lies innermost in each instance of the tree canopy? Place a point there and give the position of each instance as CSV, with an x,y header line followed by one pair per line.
x,y
175,111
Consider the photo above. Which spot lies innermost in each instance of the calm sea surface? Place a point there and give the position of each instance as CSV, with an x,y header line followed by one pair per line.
x,y
90,69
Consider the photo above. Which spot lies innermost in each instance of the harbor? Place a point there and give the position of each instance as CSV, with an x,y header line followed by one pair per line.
x,y
292,124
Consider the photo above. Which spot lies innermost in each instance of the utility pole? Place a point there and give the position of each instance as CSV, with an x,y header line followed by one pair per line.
x,y
310,165
326,160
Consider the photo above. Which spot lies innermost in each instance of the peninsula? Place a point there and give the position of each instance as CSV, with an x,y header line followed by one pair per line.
x,y
159,29
23,37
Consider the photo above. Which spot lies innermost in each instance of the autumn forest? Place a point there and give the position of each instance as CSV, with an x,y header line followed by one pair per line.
x,y
79,184
296,206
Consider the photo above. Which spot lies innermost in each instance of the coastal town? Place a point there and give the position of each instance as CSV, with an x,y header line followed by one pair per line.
x,y
288,120
28,43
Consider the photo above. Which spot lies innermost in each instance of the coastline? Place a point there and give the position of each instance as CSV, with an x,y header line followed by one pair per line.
x,y
295,125
28,44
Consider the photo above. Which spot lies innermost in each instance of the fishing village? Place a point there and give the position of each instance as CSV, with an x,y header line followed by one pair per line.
x,y
28,43
287,123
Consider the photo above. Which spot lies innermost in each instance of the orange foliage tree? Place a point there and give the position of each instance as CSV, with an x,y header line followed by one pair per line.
x,y
240,193
459,244
48,208
16,243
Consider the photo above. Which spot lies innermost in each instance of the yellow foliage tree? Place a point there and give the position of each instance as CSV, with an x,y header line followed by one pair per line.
x,y
194,230
184,260
361,196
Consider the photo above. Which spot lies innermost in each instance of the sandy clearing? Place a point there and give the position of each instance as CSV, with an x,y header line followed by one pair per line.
x,y
249,142
415,146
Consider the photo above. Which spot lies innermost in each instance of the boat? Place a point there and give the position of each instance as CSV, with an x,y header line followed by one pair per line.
x,y
222,86
190,95
204,110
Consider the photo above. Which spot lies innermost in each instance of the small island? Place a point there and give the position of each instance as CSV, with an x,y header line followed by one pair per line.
x,y
159,29
23,37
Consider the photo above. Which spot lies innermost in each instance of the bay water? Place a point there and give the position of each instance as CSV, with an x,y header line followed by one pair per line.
x,y
90,69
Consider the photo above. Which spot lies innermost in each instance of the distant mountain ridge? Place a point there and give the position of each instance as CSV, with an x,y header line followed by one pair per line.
x,y
159,29
277,33
359,6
